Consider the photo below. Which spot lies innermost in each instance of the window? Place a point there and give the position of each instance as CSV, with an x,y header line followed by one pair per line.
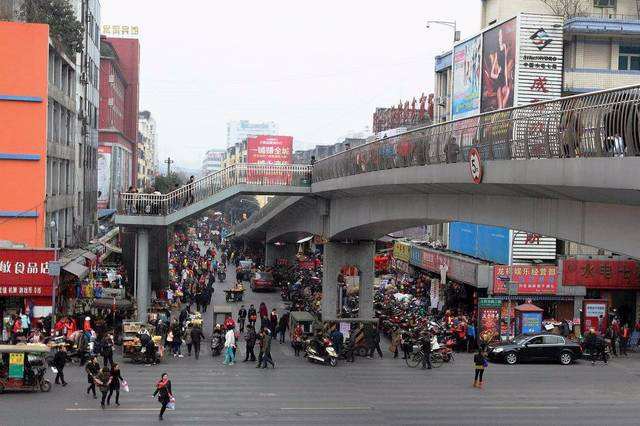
x,y
536,340
553,340
629,58
604,3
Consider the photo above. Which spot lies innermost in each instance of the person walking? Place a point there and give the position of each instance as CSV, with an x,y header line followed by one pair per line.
x,y
273,323
59,361
163,390
104,382
116,381
283,325
252,316
373,341
242,317
337,340
480,362
92,368
107,350
425,342
624,339
187,338
177,340
264,315
396,342
266,357
196,339
250,341
229,345
296,340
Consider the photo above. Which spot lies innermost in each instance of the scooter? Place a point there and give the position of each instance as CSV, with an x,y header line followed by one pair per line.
x,y
216,345
329,355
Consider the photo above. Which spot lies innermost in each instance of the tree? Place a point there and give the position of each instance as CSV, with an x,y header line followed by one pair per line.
x,y
59,15
166,184
566,8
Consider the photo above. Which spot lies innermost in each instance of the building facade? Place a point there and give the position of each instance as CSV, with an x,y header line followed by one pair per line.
x,y
118,118
237,131
213,161
148,166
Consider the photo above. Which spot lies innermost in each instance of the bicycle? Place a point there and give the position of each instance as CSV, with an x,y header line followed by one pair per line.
x,y
415,359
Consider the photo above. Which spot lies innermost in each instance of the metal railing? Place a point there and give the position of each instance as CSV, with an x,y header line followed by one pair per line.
x,y
597,124
298,175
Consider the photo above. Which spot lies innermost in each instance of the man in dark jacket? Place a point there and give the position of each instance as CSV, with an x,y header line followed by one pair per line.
x,y
92,368
425,341
372,336
196,339
337,340
250,341
59,361
242,317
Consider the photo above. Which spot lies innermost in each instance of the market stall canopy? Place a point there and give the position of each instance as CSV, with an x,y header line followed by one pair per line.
x,y
528,307
22,348
76,269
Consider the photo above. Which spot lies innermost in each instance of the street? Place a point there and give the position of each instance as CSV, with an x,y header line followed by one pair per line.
x,y
378,391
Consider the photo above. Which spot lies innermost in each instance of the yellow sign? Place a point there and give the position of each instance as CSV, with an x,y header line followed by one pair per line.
x,y
122,31
401,251
16,366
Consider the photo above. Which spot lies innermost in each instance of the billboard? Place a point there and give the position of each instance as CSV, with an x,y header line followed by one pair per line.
x,y
499,66
532,246
531,279
104,176
266,149
467,74
483,242
25,272
601,273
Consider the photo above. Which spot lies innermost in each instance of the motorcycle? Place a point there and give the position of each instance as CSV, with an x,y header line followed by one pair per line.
x,y
217,343
326,355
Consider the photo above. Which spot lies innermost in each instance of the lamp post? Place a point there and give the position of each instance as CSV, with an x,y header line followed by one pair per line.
x,y
450,24
54,244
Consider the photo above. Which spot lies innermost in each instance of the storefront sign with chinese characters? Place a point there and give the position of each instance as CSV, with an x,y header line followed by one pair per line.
x,y
531,279
489,319
25,272
401,251
121,31
603,274
456,269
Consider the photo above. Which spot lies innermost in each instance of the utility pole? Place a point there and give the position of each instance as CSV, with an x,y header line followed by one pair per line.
x,y
169,161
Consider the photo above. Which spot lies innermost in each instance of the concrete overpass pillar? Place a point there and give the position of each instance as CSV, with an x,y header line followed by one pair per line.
x,y
337,255
142,273
273,252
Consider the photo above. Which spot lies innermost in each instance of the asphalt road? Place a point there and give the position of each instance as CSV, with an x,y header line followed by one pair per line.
x,y
371,392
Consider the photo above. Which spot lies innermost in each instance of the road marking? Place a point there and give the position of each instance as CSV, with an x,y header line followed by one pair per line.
x,y
325,408
112,409
523,407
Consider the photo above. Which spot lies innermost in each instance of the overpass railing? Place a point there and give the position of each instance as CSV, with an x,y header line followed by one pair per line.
x,y
597,124
291,175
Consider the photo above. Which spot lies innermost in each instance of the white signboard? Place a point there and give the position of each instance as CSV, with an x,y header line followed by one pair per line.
x,y
595,309
120,31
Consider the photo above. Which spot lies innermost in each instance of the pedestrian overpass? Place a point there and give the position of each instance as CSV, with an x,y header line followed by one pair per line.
x,y
568,168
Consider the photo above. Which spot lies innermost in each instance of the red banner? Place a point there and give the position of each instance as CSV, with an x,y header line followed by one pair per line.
x,y
25,272
269,149
606,273
531,279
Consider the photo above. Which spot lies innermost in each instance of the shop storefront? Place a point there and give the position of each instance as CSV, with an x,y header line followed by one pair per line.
x,y
614,279
25,284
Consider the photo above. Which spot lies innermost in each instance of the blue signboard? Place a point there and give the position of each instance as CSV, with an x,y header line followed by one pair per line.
x,y
416,257
483,242
531,322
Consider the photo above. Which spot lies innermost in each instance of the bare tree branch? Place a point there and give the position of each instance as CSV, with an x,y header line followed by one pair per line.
x,y
566,8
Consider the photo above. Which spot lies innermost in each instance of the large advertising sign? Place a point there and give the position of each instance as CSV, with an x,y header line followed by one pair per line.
x,y
539,70
467,75
602,274
499,66
25,272
531,279
483,242
401,251
265,149
489,311
104,176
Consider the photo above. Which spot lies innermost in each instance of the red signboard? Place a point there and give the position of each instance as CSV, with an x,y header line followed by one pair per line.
x,y
269,149
25,272
531,279
606,273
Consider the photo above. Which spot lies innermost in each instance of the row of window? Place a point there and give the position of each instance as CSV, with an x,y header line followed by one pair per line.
x,y
60,124
60,177
629,58
61,74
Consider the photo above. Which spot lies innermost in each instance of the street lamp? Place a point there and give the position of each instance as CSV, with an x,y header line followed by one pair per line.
x,y
450,24
54,244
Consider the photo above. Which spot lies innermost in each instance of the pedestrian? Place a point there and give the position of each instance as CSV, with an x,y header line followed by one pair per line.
x,y
273,323
177,341
116,381
374,341
59,361
92,368
480,362
396,342
104,382
426,350
107,350
196,339
252,315
337,339
163,390
242,317
250,341
264,315
624,339
261,340
186,337
283,325
266,357
229,345
296,340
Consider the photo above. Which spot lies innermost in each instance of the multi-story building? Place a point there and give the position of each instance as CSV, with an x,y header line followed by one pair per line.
x,y
87,104
212,161
118,118
321,151
148,166
237,131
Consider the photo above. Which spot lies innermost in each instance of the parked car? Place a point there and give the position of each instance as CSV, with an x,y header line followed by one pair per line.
x,y
262,281
540,347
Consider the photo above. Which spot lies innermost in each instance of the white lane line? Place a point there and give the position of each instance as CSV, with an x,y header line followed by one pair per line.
x,y
113,409
325,408
515,407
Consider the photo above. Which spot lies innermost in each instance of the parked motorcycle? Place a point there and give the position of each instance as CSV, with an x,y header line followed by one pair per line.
x,y
322,352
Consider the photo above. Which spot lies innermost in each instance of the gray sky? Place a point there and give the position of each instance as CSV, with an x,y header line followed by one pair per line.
x,y
318,70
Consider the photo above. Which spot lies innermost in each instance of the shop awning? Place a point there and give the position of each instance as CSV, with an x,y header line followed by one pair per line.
x,y
89,255
534,297
76,269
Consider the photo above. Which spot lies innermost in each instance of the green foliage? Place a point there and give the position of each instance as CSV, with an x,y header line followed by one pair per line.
x,y
166,184
59,15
